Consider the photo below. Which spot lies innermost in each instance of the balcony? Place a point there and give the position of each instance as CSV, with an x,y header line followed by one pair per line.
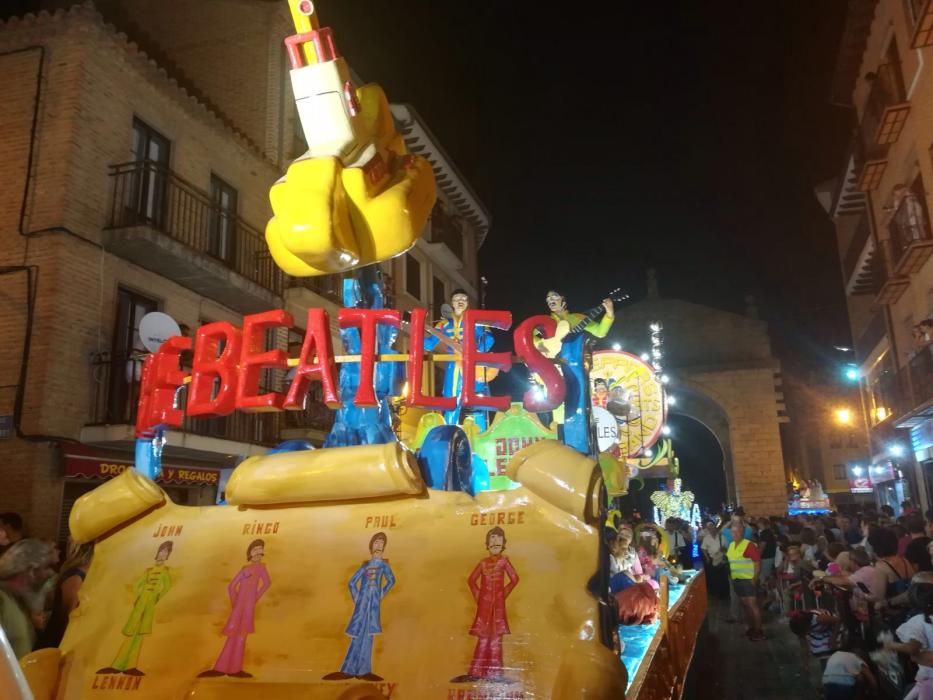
x,y
883,119
116,395
917,387
920,15
444,242
893,285
165,224
328,287
909,230
859,261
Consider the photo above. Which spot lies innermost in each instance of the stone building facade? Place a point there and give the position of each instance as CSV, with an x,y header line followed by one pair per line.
x,y
880,203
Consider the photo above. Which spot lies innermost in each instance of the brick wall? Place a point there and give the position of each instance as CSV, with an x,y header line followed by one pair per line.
x,y
221,48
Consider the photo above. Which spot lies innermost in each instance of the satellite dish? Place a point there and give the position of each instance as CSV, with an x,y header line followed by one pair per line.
x,y
155,328
447,311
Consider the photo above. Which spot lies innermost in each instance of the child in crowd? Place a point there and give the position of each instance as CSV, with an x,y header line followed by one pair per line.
x,y
819,630
845,676
917,634
624,565
833,551
648,556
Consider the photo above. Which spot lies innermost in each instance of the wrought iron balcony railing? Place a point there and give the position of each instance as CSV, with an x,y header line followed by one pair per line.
x,y
116,395
147,194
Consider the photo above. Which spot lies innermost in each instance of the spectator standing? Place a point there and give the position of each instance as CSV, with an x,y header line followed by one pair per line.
x,y
745,569
68,583
916,552
24,567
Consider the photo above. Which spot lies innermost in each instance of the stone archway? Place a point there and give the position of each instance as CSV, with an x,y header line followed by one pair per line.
x,y
700,407
722,373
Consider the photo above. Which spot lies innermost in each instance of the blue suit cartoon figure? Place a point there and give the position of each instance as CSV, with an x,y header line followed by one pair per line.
x,y
453,376
368,586
359,425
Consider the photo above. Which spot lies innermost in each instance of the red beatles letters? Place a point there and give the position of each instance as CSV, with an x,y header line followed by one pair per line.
x,y
228,363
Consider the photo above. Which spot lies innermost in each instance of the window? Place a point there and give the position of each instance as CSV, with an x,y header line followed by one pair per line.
x,y
126,356
839,472
146,197
881,389
440,297
446,229
223,220
413,276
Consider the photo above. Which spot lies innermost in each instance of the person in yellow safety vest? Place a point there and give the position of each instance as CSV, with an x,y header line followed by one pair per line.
x,y
744,567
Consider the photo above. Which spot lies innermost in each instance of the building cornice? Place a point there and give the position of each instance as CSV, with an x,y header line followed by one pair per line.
x,y
450,180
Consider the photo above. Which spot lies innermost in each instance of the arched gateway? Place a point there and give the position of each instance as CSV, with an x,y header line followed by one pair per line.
x,y
723,374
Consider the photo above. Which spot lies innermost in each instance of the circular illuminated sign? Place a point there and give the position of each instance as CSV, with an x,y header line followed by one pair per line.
x,y
627,388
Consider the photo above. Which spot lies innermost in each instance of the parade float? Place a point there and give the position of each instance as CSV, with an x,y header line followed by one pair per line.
x,y
465,559
809,498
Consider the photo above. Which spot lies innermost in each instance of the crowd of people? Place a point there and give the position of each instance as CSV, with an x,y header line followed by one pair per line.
x,y
855,587
37,590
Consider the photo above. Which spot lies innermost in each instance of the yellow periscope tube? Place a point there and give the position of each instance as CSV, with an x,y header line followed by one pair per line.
x,y
329,474
560,475
111,504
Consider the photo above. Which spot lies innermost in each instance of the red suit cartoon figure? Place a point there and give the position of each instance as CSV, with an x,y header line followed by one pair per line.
x,y
489,588
245,590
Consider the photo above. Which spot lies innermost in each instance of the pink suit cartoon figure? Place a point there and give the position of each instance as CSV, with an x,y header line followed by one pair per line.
x,y
489,588
245,590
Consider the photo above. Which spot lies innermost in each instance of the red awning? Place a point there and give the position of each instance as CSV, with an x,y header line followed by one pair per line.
x,y
86,462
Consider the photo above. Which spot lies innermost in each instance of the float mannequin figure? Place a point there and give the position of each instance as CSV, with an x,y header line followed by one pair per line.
x,y
453,377
574,414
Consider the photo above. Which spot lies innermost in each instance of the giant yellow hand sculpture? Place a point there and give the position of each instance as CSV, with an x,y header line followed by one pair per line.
x,y
356,197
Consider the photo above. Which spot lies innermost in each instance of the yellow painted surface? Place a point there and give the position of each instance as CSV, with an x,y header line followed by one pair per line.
x,y
330,218
434,541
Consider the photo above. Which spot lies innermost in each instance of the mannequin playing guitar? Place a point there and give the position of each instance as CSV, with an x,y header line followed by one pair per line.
x,y
568,344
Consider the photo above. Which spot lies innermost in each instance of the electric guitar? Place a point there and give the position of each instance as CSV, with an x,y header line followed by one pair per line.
x,y
550,347
483,374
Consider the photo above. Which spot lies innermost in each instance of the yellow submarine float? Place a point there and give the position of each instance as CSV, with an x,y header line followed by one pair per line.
x,y
457,563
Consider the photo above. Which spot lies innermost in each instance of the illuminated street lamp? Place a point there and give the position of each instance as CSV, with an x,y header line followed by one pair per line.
x,y
843,416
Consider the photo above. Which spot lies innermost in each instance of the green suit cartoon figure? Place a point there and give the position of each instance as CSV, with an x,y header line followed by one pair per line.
x,y
150,587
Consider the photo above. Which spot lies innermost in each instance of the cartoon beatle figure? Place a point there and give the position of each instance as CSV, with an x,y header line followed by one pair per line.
x,y
367,591
489,589
149,588
245,590
573,413
453,377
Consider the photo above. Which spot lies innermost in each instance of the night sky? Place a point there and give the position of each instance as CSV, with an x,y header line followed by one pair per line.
x,y
685,136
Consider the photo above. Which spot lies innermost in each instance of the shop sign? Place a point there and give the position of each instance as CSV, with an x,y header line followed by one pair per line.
x,y
97,467
860,478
